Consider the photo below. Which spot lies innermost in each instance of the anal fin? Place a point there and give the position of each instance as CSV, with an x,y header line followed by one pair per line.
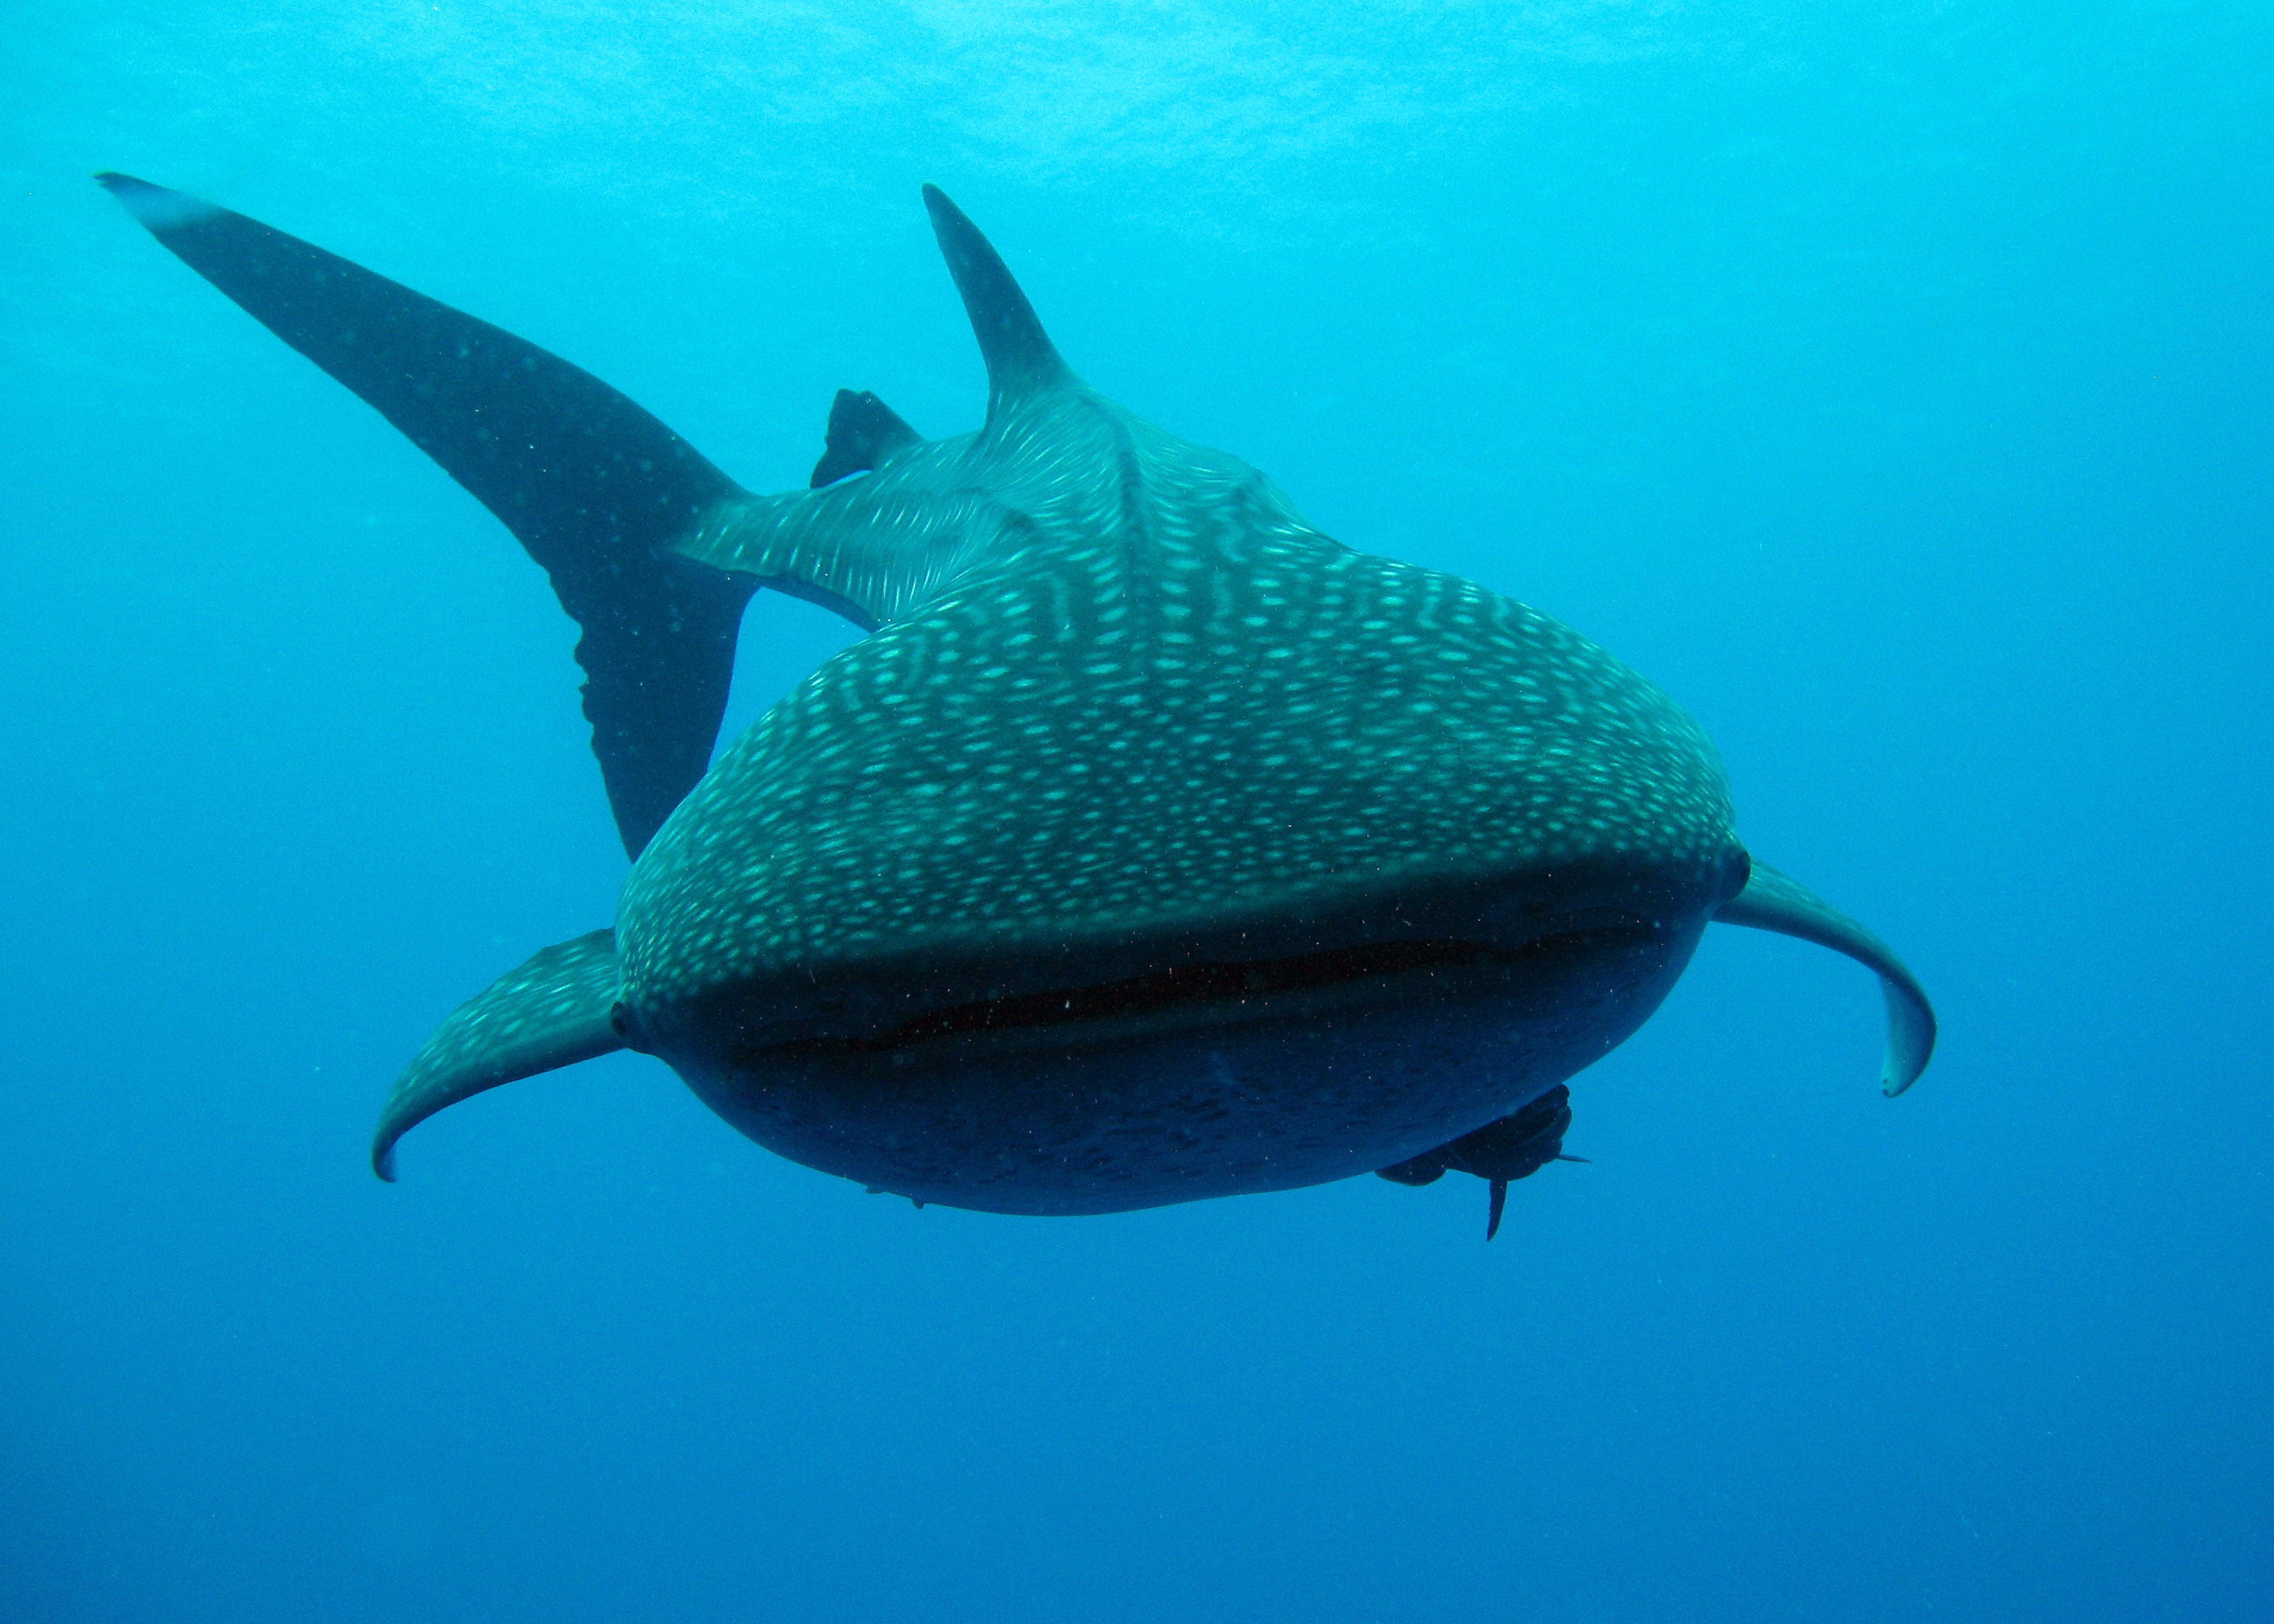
x,y
555,1010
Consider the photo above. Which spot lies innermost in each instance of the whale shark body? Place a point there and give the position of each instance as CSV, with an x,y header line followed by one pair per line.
x,y
1152,845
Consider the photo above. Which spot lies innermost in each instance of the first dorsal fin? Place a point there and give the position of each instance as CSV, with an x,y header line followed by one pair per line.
x,y
863,432
1021,358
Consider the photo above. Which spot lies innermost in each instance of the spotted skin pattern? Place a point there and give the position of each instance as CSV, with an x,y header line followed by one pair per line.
x,y
1123,687
1127,713
1153,845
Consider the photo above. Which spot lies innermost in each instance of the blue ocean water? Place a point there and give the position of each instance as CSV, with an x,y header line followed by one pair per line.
x,y
1890,382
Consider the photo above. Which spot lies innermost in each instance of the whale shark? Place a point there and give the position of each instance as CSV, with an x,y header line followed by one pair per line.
x,y
1150,845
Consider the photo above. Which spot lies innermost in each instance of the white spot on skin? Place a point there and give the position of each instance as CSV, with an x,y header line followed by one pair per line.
x,y
1141,709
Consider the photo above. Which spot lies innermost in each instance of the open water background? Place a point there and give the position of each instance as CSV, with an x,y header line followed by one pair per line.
x,y
1889,381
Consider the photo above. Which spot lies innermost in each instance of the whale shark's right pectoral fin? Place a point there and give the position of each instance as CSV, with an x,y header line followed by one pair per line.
x,y
593,485
556,1010
1772,901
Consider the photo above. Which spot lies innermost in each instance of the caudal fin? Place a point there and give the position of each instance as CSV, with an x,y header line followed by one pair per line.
x,y
594,487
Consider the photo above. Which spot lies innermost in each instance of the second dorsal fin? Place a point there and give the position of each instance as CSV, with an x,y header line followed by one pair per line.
x,y
863,431
1021,358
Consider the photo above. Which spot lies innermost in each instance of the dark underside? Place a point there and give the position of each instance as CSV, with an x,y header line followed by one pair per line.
x,y
1207,1078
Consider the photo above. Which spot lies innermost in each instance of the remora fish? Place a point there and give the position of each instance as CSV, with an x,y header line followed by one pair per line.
x,y
1153,845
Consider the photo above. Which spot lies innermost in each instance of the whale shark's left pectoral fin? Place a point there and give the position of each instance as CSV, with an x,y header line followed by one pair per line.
x,y
1772,901
556,1010
595,487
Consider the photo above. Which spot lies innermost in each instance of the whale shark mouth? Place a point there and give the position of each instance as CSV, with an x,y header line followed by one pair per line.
x,y
1231,990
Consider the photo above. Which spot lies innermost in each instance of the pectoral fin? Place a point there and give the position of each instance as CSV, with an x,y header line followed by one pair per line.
x,y
554,1011
1771,901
